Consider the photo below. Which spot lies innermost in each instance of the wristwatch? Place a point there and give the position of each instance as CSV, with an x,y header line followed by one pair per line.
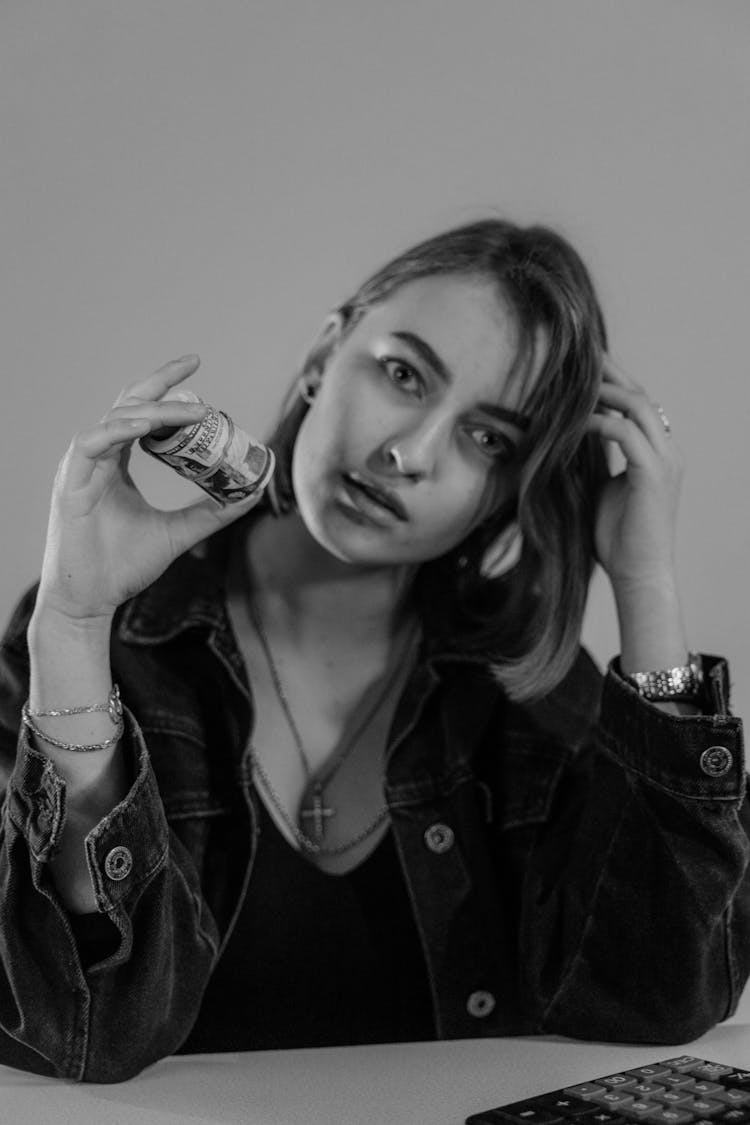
x,y
684,682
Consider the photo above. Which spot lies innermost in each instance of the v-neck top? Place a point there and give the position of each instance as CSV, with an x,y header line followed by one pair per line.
x,y
317,959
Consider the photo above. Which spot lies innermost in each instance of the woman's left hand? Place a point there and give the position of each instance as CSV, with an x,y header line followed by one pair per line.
x,y
637,511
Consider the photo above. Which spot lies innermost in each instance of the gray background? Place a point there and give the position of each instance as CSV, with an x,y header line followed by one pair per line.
x,y
213,177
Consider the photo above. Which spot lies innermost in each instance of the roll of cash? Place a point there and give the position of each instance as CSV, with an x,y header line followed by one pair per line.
x,y
214,453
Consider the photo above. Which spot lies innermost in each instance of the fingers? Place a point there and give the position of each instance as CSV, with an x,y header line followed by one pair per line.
x,y
154,386
631,402
631,440
89,447
191,524
119,428
167,413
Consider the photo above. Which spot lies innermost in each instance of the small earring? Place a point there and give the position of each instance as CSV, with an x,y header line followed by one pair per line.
x,y
308,386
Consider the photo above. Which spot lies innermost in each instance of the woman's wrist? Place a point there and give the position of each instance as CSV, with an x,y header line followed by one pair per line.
x,y
70,668
652,633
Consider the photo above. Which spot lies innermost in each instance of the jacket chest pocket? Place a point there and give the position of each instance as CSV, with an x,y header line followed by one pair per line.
x,y
517,782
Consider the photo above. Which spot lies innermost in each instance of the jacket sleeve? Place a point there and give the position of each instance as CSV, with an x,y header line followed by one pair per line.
x,y
639,886
94,997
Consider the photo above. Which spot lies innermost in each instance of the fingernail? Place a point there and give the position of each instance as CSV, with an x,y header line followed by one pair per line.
x,y
191,357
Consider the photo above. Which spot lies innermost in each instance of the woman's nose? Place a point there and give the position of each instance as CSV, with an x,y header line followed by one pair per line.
x,y
416,452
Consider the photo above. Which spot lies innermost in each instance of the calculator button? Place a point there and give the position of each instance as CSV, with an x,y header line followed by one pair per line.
x,y
618,1081
674,1116
707,1107
705,1089
529,1112
647,1089
601,1117
567,1105
643,1110
736,1117
683,1062
710,1070
585,1090
655,1070
734,1098
678,1081
673,1097
739,1078
613,1099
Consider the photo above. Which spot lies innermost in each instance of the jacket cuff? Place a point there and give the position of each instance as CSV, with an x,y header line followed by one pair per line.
x,y
124,850
698,757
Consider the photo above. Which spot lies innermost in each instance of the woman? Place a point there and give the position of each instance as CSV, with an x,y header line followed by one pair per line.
x,y
365,784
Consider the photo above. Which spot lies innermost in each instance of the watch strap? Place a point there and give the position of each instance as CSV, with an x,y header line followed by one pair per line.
x,y
683,682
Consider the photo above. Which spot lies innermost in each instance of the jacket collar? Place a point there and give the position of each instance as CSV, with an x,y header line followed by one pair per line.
x,y
191,593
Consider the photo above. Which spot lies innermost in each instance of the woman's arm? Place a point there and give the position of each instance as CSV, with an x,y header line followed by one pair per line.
x,y
643,865
63,1013
635,532
69,661
85,832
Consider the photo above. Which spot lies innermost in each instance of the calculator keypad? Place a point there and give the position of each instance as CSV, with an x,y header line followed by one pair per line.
x,y
679,1091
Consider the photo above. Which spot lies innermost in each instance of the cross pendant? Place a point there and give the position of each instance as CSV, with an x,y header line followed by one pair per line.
x,y
319,813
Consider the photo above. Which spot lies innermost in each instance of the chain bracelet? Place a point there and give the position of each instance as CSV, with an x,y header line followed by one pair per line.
x,y
77,747
113,708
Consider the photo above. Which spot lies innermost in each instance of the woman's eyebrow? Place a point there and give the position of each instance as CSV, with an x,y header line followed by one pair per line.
x,y
429,356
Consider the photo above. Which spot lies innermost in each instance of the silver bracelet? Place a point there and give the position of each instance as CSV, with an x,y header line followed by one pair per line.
x,y
683,682
113,708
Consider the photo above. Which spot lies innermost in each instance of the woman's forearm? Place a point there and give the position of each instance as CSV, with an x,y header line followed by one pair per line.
x,y
70,668
652,633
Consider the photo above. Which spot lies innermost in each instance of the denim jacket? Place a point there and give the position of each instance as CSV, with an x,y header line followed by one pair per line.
x,y
577,866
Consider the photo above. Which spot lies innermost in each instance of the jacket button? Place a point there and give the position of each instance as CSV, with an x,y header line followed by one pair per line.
x,y
716,761
439,838
119,863
480,1004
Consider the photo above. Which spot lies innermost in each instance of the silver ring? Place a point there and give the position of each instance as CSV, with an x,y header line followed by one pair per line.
x,y
664,419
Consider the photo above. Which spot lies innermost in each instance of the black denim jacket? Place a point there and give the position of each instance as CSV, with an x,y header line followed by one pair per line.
x,y
576,867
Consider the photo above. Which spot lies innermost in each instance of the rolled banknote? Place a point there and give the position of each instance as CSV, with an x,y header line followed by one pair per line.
x,y
213,453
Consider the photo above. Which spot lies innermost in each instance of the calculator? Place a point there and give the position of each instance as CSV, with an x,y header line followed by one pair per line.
x,y
680,1091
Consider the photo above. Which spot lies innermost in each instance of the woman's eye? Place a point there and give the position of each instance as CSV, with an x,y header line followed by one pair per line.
x,y
494,444
402,374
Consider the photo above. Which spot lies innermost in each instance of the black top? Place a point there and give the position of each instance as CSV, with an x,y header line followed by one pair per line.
x,y
317,959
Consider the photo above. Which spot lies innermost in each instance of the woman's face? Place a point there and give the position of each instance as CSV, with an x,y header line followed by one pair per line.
x,y
416,404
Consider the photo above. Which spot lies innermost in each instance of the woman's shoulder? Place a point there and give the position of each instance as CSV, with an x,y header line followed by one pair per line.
x,y
570,710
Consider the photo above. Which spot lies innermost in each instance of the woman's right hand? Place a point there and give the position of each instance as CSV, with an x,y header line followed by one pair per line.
x,y
105,542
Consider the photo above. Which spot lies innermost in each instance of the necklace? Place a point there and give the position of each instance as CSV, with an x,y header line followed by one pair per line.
x,y
319,813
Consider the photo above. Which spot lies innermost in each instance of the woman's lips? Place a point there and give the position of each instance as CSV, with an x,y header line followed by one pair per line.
x,y
365,493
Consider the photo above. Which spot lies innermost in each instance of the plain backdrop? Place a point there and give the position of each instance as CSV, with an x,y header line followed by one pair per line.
x,y
213,176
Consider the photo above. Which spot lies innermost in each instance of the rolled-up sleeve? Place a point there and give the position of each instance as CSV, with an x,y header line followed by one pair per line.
x,y
657,874
63,1012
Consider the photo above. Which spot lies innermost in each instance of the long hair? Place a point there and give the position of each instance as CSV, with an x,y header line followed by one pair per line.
x,y
525,619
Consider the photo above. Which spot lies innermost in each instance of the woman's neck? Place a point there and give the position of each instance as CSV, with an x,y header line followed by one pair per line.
x,y
313,596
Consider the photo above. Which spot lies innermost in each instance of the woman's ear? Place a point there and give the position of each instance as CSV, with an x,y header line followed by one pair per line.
x,y
327,341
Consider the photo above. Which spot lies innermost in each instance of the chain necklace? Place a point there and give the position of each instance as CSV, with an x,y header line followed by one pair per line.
x,y
320,813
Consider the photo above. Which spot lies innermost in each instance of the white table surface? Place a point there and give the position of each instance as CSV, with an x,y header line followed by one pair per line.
x,y
403,1084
